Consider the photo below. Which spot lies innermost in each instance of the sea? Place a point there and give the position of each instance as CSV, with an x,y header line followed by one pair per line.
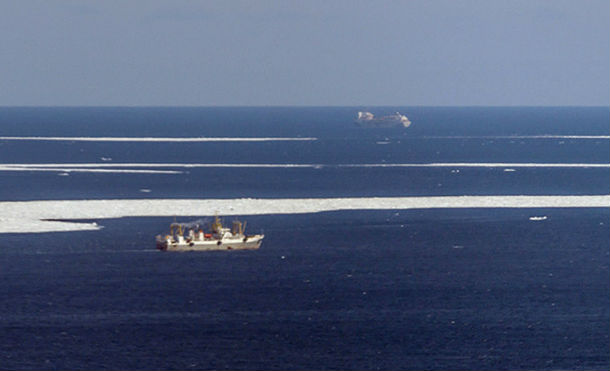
x,y
426,288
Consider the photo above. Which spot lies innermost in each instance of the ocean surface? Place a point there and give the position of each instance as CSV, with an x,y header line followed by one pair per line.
x,y
427,288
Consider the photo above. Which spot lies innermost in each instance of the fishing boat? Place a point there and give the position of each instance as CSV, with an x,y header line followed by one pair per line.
x,y
368,120
183,238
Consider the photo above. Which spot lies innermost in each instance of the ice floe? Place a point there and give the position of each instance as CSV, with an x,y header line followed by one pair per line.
x,y
43,216
115,166
156,139
65,170
520,137
8,167
264,139
20,225
484,164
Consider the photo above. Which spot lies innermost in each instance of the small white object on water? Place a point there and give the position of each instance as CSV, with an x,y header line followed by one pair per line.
x,y
145,190
538,217
508,170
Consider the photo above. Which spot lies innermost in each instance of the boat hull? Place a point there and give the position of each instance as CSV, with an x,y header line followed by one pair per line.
x,y
383,123
251,243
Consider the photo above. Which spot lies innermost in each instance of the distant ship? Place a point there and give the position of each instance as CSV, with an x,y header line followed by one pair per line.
x,y
368,120
220,238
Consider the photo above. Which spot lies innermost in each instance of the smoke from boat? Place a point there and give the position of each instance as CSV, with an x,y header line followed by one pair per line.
x,y
195,223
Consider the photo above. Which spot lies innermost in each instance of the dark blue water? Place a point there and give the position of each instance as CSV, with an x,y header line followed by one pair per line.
x,y
400,289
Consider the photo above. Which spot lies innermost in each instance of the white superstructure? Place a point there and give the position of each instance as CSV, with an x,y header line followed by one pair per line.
x,y
367,119
220,238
